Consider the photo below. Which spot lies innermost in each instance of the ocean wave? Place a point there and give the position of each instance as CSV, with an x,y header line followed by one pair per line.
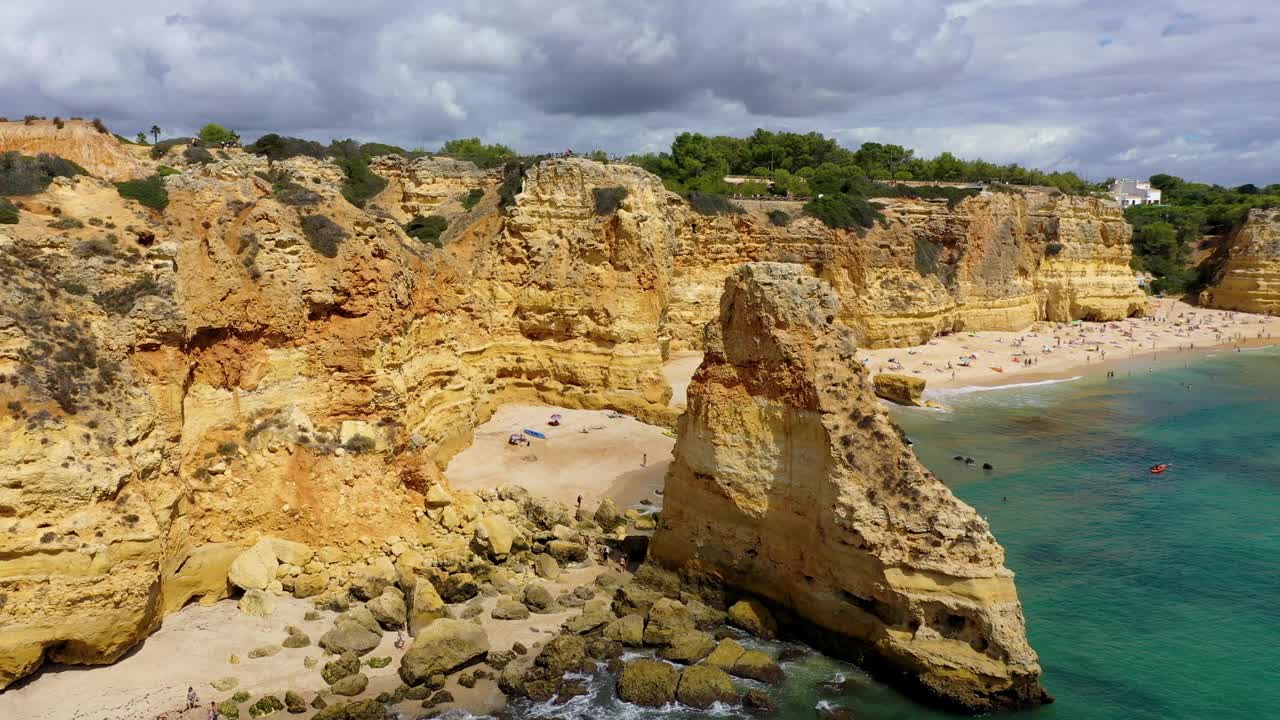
x,y
969,389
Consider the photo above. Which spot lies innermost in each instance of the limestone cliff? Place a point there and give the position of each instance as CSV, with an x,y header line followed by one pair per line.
x,y
78,141
252,361
997,261
791,483
1245,270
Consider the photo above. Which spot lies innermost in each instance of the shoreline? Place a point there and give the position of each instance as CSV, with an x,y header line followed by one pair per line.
x,y
1175,330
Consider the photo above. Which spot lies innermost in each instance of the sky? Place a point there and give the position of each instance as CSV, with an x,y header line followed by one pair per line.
x,y
1104,88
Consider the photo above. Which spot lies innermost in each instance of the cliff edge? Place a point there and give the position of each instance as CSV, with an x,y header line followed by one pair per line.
x,y
791,483
1246,268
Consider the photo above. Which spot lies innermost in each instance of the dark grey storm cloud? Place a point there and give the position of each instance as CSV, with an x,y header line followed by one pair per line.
x,y
1100,87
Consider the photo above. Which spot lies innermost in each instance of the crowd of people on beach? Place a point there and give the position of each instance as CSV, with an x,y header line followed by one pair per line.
x,y
1171,327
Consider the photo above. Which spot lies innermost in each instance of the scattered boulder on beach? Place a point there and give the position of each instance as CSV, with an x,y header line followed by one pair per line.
x,y
346,664
651,683
350,685
508,609
369,580
595,613
389,608
539,599
294,703
459,587
296,639
265,705
263,651
349,634
441,647
607,515
256,603
255,568
425,606
567,551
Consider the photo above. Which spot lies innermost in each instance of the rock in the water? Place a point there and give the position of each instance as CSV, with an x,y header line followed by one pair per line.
x,y
756,665
704,617
667,619
441,647
759,702
546,567
350,685
563,654
538,599
628,630
389,609
509,610
755,618
346,664
688,647
702,685
651,683
366,710
900,389
781,379
255,568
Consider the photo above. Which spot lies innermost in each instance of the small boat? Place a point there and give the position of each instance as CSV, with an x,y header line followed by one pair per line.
x,y
1159,468
535,433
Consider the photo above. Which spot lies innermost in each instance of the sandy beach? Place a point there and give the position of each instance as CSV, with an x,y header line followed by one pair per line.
x,y
1059,350
592,453
194,646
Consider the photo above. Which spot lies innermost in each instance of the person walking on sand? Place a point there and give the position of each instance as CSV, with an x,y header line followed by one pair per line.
x,y
644,460
579,502
213,711
192,700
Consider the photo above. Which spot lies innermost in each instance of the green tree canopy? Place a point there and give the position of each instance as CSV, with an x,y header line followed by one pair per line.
x,y
216,134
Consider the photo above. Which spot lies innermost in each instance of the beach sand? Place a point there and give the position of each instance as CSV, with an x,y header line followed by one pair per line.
x,y
618,457
193,647
1072,349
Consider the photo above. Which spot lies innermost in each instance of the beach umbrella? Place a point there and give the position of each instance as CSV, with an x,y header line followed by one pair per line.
x,y
557,416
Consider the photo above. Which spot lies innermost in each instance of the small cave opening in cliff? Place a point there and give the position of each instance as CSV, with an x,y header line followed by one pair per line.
x,y
882,611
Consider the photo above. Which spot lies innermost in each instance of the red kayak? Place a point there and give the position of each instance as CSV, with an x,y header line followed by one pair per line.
x,y
1159,468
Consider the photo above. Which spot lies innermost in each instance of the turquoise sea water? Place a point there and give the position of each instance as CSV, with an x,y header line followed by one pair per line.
x,y
1147,597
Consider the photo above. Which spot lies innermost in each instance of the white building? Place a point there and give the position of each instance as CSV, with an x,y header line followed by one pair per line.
x,y
1134,192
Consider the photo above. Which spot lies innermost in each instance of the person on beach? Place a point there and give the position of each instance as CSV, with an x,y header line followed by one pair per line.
x,y
644,460
213,711
192,700
579,502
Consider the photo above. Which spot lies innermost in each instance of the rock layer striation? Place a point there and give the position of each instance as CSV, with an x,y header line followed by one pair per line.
x,y
1245,270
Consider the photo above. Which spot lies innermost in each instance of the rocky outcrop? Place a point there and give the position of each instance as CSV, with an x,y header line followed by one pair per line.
x,y
791,483
1245,269
997,261
900,389
101,154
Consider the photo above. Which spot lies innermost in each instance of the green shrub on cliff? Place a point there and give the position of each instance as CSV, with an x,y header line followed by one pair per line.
x,y
712,204
8,212
844,210
361,183
27,175
148,191
779,218
427,229
472,198
608,199
323,234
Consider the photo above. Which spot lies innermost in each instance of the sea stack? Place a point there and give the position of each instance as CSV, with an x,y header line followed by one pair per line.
x,y
792,484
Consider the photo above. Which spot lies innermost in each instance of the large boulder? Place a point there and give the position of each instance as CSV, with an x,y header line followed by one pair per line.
x,y
563,654
667,619
350,685
389,608
688,647
310,584
290,552
546,567
539,599
702,685
628,630
754,617
567,551
607,515
546,513
508,609
345,664
350,635
595,613
442,647
755,665
494,535
425,606
460,587
900,389
255,568
651,683
631,599
438,497
368,581
257,603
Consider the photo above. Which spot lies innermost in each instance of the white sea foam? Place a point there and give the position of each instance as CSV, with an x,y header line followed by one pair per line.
x,y
968,389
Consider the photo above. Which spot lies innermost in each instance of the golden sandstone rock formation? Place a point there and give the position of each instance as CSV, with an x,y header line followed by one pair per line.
x,y
1245,271
78,141
277,362
790,482
901,389
997,261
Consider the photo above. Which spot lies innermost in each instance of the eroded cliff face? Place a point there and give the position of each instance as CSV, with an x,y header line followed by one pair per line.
x,y
1246,267
997,261
250,362
790,482
78,141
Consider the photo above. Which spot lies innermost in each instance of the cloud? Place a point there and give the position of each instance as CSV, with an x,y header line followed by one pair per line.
x,y
1147,86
